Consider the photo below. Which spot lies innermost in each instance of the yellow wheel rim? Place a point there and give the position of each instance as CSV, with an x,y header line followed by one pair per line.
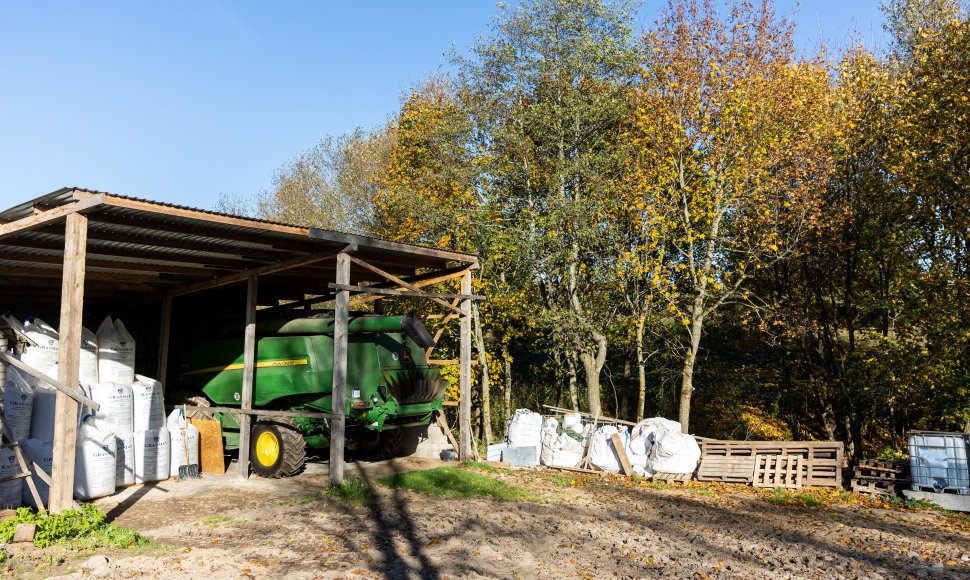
x,y
370,443
267,448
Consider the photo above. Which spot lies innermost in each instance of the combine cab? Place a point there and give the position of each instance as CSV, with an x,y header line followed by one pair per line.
x,y
389,384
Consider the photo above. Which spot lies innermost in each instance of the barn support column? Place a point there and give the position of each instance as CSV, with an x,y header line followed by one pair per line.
x,y
68,368
249,367
465,370
339,397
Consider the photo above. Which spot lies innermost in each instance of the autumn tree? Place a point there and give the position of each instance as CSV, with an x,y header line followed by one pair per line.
x,y
734,137
548,89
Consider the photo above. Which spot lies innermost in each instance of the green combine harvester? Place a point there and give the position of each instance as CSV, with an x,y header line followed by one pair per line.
x,y
390,385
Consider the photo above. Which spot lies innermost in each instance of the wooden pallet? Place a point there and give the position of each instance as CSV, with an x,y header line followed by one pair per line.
x,y
773,471
876,488
726,469
673,476
821,465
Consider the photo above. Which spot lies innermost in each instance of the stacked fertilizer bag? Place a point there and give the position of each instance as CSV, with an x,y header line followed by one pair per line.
x,y
124,442
184,442
563,445
151,438
657,446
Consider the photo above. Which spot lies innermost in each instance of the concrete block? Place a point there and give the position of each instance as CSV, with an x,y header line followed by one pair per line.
x,y
24,533
948,501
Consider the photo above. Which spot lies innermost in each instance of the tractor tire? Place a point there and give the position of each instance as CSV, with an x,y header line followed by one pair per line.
x,y
391,445
197,401
276,448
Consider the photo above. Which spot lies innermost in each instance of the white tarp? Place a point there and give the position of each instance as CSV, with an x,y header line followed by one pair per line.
x,y
657,445
525,429
601,452
559,450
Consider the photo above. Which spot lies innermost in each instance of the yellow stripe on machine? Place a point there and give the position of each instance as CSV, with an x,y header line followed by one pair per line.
x,y
262,364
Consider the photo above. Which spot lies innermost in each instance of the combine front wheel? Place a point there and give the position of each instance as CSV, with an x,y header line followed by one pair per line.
x,y
276,448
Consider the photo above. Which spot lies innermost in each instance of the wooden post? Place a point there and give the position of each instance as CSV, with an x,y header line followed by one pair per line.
x,y
163,339
339,397
249,367
465,371
69,361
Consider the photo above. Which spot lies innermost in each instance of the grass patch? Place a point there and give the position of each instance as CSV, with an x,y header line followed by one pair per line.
x,y
457,483
353,492
787,497
482,466
302,500
218,521
85,529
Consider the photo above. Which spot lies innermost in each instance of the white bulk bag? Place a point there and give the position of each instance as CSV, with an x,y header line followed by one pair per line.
x,y
148,407
185,442
18,403
41,453
11,491
151,455
116,406
94,461
573,422
88,370
601,452
124,459
44,355
42,415
673,451
525,429
559,450
116,352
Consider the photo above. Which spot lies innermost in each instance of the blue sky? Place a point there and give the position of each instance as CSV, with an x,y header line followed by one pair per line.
x,y
180,101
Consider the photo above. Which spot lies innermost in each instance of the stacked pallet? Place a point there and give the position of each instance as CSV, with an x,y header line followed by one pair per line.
x,y
873,477
741,462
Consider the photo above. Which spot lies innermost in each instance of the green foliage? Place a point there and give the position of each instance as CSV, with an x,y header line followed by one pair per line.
x,y
353,492
85,529
455,483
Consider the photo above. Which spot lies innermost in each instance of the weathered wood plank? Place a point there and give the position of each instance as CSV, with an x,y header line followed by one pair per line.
x,y
249,373
465,372
341,316
69,361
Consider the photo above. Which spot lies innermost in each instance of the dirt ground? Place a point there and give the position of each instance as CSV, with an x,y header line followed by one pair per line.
x,y
583,527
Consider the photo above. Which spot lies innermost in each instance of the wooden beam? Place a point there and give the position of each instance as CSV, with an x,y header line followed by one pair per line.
x,y
37,374
41,219
58,273
260,271
400,282
193,214
164,338
341,316
113,264
465,372
441,329
420,281
403,249
389,292
69,362
249,373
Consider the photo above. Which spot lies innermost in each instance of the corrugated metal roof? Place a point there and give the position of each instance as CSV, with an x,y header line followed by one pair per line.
x,y
148,246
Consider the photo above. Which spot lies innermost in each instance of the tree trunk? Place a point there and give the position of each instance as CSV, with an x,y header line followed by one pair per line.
x,y
687,385
506,360
641,368
483,361
573,392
